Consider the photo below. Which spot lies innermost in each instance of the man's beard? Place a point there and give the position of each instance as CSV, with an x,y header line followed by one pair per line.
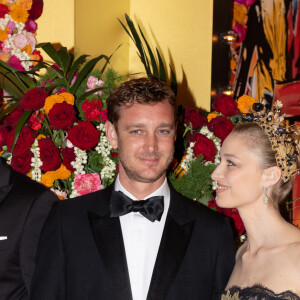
x,y
134,175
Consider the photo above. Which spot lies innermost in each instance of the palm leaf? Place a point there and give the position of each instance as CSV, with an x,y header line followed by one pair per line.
x,y
75,66
19,127
153,61
156,70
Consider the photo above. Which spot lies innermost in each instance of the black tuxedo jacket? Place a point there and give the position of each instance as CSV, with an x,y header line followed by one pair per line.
x,y
81,253
24,206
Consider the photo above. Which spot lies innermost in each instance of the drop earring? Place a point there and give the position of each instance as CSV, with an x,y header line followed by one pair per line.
x,y
266,198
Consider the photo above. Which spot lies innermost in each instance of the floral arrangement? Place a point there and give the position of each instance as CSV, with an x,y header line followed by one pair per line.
x,y
17,32
52,126
203,135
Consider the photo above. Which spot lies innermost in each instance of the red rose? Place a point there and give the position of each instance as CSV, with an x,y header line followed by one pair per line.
x,y
34,99
92,109
194,117
3,10
225,105
34,122
21,163
68,156
49,155
62,116
12,119
104,115
84,135
24,142
221,127
203,146
36,9
3,135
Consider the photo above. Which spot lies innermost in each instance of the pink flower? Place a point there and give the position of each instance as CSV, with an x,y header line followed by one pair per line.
x,y
4,48
74,78
30,26
240,29
20,40
31,40
247,3
11,26
93,83
87,183
15,63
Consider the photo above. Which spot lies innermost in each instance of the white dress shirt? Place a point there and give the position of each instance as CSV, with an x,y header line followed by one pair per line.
x,y
141,240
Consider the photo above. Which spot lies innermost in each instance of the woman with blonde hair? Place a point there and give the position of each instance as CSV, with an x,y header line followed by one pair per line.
x,y
259,161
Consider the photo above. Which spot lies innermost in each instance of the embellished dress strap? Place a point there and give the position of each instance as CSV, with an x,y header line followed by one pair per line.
x,y
256,292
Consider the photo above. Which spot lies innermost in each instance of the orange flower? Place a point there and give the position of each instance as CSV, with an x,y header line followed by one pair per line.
x,y
27,49
4,57
240,13
245,103
18,13
53,99
26,4
61,173
211,116
41,136
34,57
3,2
3,34
69,98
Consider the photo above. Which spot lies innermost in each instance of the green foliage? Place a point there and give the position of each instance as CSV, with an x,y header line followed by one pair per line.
x,y
17,83
196,183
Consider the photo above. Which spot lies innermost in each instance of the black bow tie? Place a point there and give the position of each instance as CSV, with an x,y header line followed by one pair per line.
x,y
151,208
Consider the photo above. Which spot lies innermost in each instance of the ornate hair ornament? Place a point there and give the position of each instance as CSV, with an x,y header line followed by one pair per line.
x,y
280,136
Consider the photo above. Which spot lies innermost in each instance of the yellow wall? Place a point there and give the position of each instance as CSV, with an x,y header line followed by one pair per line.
x,y
56,24
98,31
181,30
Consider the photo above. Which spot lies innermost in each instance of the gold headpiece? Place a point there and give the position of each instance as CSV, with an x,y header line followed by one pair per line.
x,y
279,135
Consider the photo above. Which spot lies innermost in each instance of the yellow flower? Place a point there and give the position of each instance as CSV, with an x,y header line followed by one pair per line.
x,y
211,116
18,13
26,4
61,173
3,34
245,103
240,13
53,99
3,2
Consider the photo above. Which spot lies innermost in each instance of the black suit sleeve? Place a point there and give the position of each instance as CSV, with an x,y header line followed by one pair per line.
x,y
225,258
31,233
48,281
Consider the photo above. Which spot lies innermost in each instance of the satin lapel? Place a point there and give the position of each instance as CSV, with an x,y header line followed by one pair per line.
x,y
109,240
4,192
5,187
171,252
